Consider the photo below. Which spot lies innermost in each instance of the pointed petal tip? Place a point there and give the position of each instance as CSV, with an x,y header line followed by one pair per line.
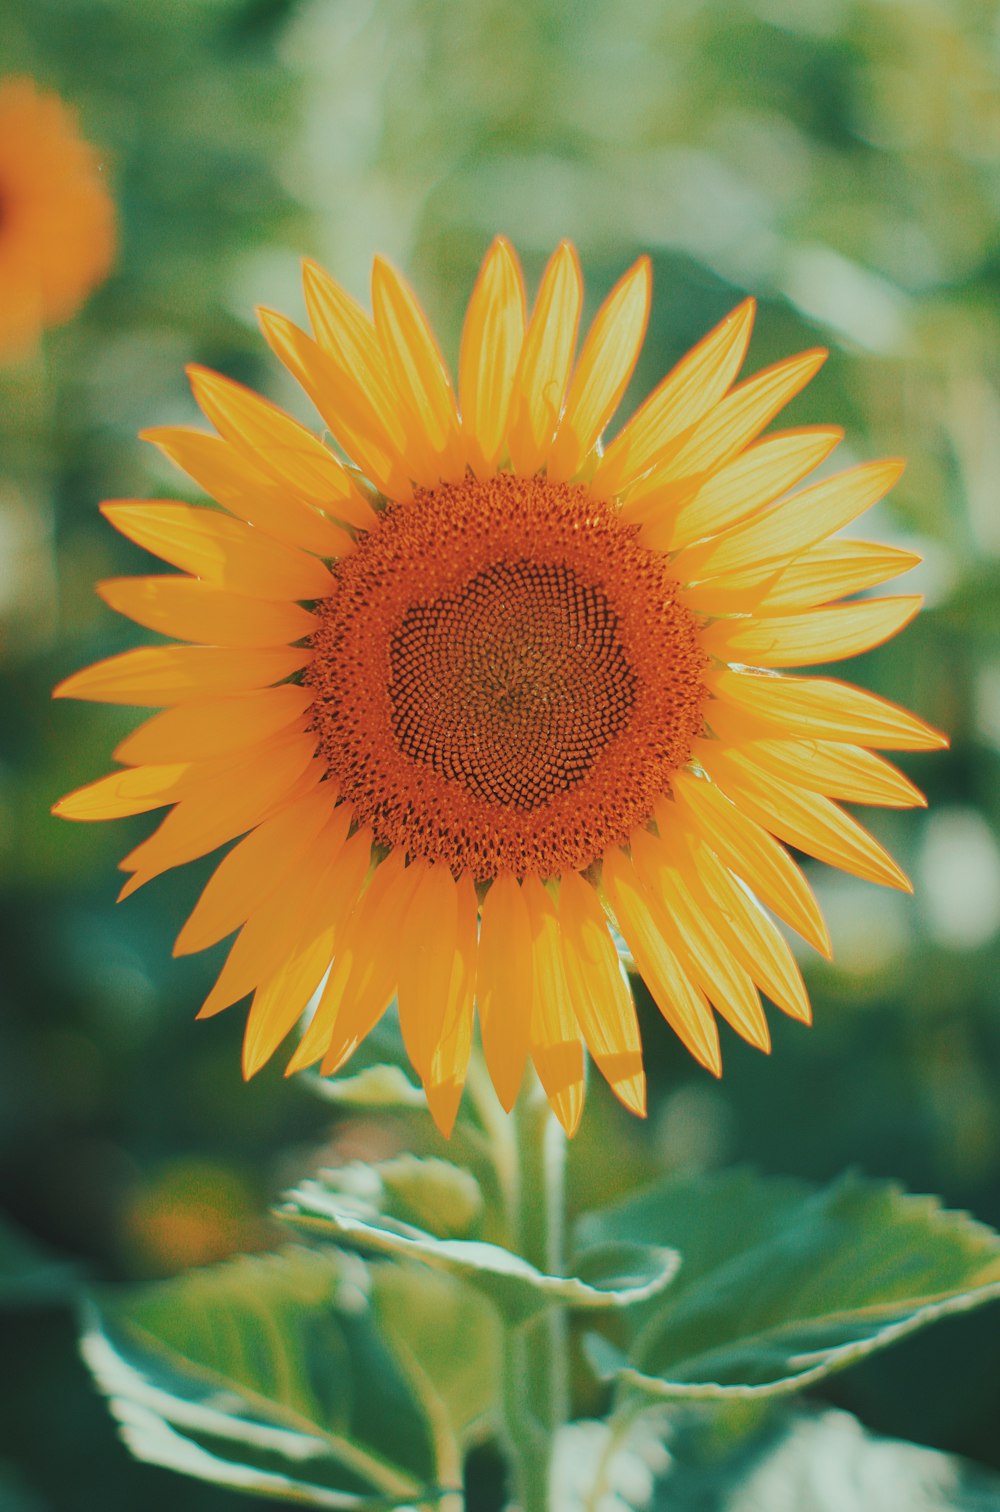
x,y
631,1093
569,1114
443,1103
744,313
184,945
133,885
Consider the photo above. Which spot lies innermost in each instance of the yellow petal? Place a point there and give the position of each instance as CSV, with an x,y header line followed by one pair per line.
x,y
600,992
831,570
703,956
825,709
253,869
449,1067
556,1051
344,406
847,772
195,611
816,635
757,476
280,1001
428,943
223,551
416,366
198,731
263,944
806,820
681,1003
136,790
155,676
280,445
504,986
225,804
741,416
348,336
739,918
362,983
492,338
247,491
687,394
750,851
546,359
606,364
792,527
724,596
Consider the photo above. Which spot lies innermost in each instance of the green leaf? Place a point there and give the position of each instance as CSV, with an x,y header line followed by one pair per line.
x,y
633,1272
372,1087
357,1207
302,1375
377,1077
821,1460
780,1284
434,1194
614,1464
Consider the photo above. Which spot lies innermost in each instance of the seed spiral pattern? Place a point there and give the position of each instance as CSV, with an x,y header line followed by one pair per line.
x,y
514,686
503,677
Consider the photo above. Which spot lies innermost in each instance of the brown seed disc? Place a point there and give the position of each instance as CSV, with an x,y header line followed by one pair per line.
x,y
504,679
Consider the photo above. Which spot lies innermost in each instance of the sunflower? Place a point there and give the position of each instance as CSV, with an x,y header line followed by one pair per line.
x,y
57,234
487,699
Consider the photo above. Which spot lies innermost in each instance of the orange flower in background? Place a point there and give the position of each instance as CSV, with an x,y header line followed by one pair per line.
x,y
57,227
493,699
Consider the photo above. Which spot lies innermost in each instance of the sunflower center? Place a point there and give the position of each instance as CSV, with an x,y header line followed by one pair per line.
x,y
512,686
503,677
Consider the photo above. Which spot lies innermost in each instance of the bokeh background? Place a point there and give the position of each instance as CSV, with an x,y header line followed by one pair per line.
x,y
840,159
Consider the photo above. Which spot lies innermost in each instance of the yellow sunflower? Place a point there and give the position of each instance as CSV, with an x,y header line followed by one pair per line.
x,y
486,696
57,229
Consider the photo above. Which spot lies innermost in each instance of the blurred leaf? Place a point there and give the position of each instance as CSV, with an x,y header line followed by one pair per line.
x,y
433,1194
447,1342
373,1087
780,1284
272,1375
29,1275
614,1464
824,1461
372,1221
409,1189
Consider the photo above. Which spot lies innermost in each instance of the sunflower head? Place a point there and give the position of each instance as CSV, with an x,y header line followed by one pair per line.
x,y
484,698
57,224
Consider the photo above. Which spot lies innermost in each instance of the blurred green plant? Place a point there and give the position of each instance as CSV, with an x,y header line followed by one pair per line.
x,y
361,1368
840,161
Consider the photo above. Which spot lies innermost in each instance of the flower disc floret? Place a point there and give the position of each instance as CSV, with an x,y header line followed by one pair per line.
x,y
504,679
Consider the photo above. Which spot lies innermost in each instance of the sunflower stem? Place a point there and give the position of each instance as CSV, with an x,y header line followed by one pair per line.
x,y
536,1366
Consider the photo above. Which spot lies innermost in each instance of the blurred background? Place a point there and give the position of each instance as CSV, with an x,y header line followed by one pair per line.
x,y
840,159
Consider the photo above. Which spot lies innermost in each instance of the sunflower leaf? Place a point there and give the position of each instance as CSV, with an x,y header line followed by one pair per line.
x,y
781,1283
355,1207
733,1458
307,1376
373,1087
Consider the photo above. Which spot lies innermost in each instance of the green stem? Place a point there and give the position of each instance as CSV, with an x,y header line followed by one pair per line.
x,y
536,1356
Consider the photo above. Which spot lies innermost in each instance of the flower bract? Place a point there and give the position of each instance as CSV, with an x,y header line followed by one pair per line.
x,y
479,696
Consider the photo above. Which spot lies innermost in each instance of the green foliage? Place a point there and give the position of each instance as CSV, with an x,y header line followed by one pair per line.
x,y
781,1284
364,1209
797,1458
304,1375
840,162
319,1375
28,1274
